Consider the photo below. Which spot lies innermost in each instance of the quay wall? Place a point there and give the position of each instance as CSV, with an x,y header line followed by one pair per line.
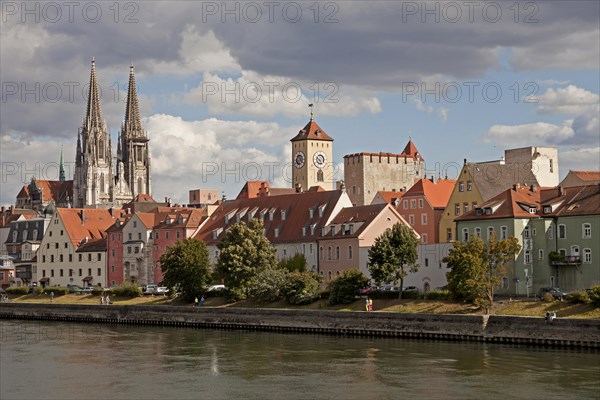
x,y
496,329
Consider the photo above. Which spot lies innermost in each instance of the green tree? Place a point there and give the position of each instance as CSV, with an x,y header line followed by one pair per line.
x,y
302,287
393,255
186,266
476,268
243,253
267,287
295,263
344,288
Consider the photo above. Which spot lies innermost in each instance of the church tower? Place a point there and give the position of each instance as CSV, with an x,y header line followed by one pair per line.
x,y
93,180
133,155
312,158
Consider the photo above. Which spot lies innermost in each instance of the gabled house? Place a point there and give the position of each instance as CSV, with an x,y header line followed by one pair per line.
x,y
292,222
73,250
580,178
512,213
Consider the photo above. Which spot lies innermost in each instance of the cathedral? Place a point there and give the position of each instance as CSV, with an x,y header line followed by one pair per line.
x,y
98,182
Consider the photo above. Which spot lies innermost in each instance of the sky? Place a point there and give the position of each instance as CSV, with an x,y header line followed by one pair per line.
x,y
224,86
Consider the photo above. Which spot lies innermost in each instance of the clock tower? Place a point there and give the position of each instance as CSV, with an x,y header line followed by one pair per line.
x,y
312,158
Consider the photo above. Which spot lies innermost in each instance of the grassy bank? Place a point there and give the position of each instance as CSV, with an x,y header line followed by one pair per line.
x,y
528,308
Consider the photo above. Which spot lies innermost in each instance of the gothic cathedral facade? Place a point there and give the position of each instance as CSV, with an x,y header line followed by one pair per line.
x,y
98,183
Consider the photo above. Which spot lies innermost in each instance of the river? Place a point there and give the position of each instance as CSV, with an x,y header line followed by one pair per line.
x,y
52,360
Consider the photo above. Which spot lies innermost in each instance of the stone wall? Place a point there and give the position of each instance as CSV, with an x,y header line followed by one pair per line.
x,y
499,329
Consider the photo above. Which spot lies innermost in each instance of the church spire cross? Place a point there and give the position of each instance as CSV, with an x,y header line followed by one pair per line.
x,y
93,117
133,121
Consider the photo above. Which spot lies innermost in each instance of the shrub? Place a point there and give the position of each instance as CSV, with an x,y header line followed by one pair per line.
x,y
57,290
594,295
438,295
547,298
38,290
97,291
127,290
578,297
301,287
266,287
412,295
324,295
18,290
345,287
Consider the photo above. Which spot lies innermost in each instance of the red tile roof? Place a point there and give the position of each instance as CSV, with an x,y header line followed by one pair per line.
x,y
390,196
360,215
85,222
588,176
51,190
253,189
312,131
437,194
411,151
290,227
187,218
11,215
572,201
509,204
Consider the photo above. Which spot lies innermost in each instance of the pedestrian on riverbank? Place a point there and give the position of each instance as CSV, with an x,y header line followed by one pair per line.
x,y
102,299
196,302
367,304
108,299
370,305
51,297
202,301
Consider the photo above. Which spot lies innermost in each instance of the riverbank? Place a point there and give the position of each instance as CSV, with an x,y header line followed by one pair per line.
x,y
494,328
518,307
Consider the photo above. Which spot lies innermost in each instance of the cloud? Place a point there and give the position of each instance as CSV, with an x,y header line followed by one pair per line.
x,y
442,112
570,100
581,159
529,134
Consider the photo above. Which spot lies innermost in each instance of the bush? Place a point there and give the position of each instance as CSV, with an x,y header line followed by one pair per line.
x,y
18,290
324,295
594,295
266,287
412,295
301,287
345,287
438,295
127,290
578,297
57,290
97,291
38,290
547,298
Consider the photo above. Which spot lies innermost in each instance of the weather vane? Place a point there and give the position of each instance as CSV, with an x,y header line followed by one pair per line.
x,y
311,111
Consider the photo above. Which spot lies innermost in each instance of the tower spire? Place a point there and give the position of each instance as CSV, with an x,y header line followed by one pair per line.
x,y
93,117
61,171
311,111
133,123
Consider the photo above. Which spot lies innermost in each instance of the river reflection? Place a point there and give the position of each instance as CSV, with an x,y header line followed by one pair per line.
x,y
42,360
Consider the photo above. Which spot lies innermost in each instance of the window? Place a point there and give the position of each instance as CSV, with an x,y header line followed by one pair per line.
x,y
136,250
534,231
586,231
457,209
99,271
62,232
503,232
276,232
427,262
405,204
177,234
562,252
112,268
411,219
52,273
424,238
56,245
337,252
99,256
490,232
469,186
80,272
139,235
420,203
541,254
504,282
448,234
587,256
129,236
350,252
61,272
128,249
413,203
310,248
43,259
66,245
562,231
329,253
43,272
527,256
465,234
90,257
167,235
52,258
461,186
112,236
80,257
135,224
551,232
477,232
321,252
465,207
89,271
424,219
526,233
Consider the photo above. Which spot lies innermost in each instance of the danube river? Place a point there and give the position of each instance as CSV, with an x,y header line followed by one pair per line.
x,y
47,360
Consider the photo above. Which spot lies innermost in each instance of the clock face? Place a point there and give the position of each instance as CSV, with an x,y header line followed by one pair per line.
x,y
320,159
299,160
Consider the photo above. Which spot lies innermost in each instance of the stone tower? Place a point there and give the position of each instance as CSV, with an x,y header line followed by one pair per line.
x,y
133,152
312,158
93,180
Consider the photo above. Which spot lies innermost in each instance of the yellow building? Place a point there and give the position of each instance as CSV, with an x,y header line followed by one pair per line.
x,y
312,158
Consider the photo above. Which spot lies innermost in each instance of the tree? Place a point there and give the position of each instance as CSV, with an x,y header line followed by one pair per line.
x,y
393,255
243,252
302,287
295,263
186,266
476,268
345,287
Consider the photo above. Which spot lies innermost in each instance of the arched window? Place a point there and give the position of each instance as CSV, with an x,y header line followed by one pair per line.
x,y
320,176
101,149
102,183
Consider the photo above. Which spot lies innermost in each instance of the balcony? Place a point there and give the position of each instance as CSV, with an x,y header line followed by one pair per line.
x,y
565,260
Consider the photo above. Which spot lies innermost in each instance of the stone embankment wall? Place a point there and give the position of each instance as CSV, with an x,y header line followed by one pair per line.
x,y
497,329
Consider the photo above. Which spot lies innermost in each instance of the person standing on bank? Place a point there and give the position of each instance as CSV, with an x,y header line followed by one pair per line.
x,y
370,305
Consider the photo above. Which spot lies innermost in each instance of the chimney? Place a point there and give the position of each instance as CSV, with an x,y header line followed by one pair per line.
x,y
516,187
298,188
533,188
560,191
82,215
465,161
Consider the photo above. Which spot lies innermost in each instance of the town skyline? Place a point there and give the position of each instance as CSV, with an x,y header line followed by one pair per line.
x,y
413,88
